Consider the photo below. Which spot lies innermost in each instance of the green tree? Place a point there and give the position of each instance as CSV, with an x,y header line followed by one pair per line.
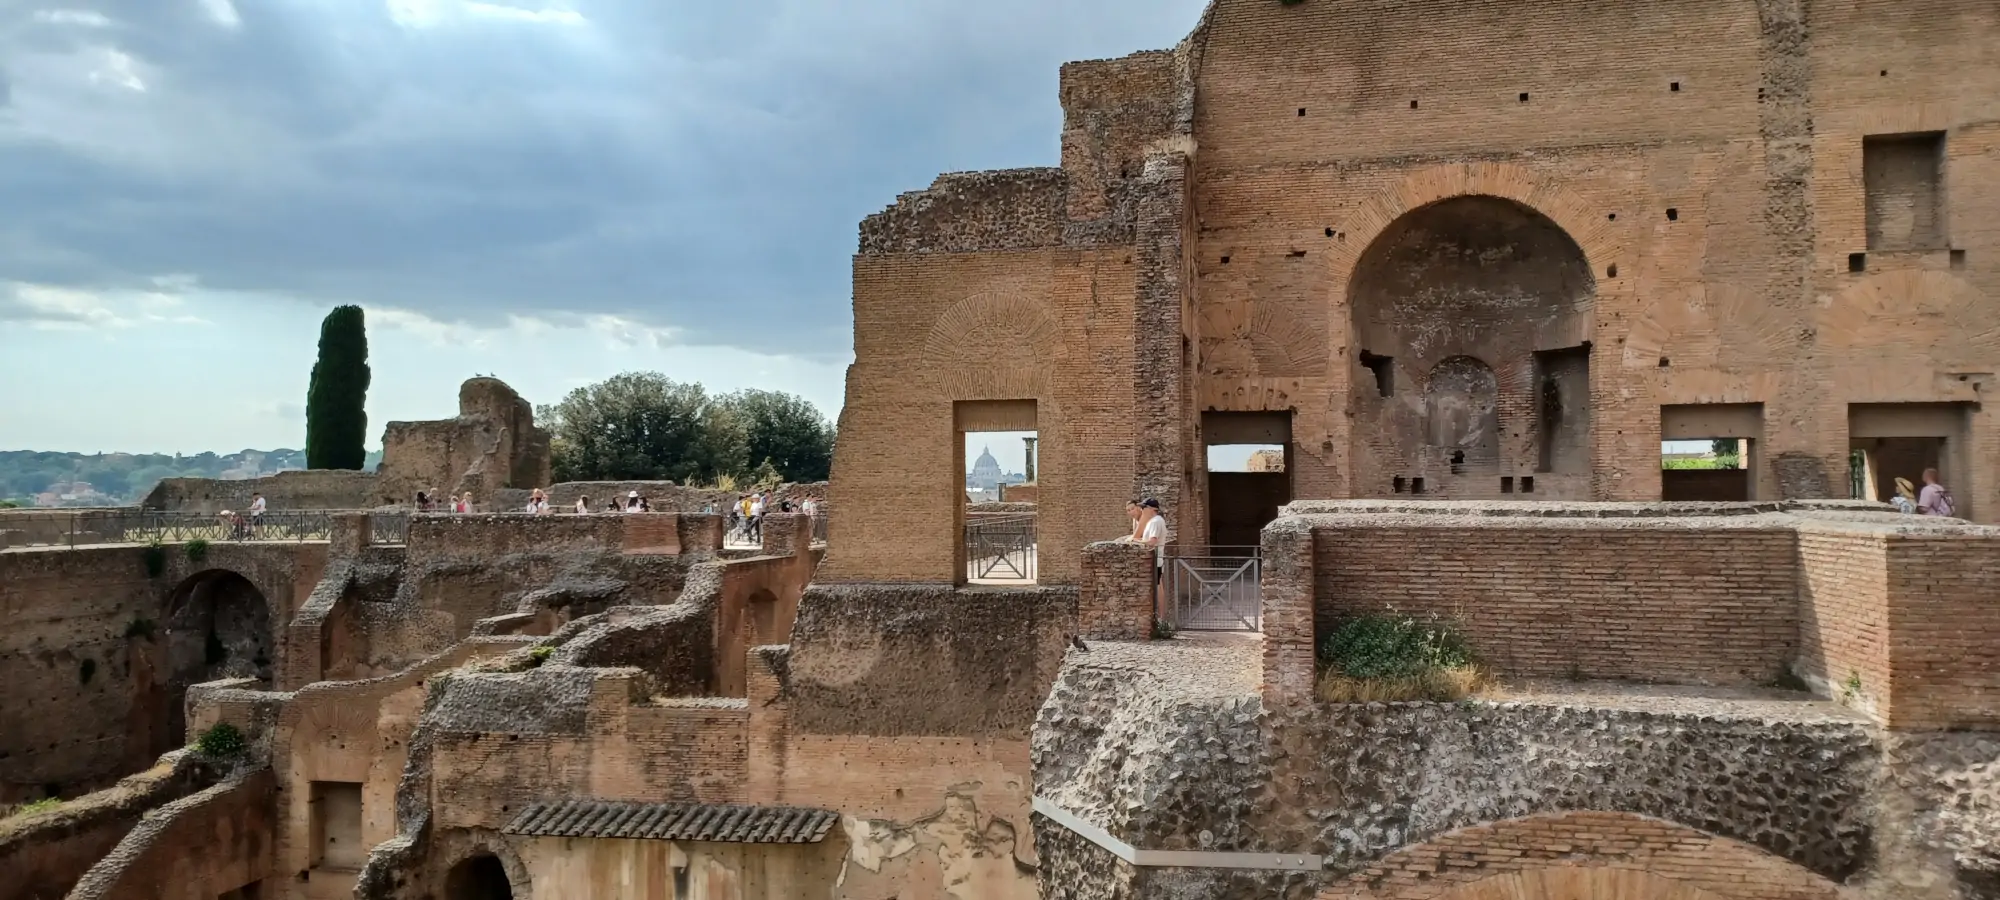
x,y
643,426
337,399
785,431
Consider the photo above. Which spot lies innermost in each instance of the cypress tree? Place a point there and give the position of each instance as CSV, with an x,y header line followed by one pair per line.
x,y
337,400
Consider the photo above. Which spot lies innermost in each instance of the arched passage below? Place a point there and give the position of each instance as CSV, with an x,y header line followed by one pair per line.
x,y
481,877
1582,855
218,625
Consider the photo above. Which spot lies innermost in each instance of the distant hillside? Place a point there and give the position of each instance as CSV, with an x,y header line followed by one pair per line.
x,y
41,478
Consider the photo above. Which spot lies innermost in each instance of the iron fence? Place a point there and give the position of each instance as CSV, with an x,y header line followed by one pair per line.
x,y
389,528
1214,588
1000,547
139,526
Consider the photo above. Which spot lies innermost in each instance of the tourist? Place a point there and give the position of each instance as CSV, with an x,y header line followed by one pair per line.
x,y
1137,514
1934,500
810,507
582,506
632,503
538,503
1153,533
423,502
756,518
256,513
1905,500
464,503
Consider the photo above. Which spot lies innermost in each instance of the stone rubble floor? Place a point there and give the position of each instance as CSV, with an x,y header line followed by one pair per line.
x,y
1196,665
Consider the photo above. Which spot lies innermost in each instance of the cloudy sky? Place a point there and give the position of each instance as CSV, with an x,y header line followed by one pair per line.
x,y
552,191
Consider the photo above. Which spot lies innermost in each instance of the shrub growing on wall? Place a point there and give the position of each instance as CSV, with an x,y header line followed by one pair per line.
x,y
224,740
1384,657
337,398
197,550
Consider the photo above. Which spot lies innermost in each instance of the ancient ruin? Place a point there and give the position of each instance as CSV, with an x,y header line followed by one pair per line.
x,y
1459,269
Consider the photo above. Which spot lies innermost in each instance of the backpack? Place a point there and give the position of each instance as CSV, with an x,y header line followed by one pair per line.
x,y
1943,505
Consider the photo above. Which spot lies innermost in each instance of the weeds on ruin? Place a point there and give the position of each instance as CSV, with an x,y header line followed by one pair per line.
x,y
540,655
197,550
1164,630
34,806
1850,690
156,558
221,742
1391,657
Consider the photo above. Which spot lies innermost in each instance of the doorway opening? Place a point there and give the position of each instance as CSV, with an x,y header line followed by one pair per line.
x,y
481,877
1888,441
1249,474
218,626
336,826
1708,452
997,445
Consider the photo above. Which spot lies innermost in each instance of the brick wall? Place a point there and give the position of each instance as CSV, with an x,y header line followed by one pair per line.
x,y
1944,631
1642,601
1581,854
1844,613
196,848
1116,599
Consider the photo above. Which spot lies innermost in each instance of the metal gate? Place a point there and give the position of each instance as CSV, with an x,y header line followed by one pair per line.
x,y
1000,548
1215,588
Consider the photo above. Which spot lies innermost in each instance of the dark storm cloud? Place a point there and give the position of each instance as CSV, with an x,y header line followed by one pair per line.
x,y
691,164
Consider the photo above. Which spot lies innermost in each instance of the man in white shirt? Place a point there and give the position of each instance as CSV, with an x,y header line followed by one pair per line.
x,y
757,517
1153,533
256,510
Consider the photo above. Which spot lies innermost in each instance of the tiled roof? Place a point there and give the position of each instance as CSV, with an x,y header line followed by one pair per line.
x,y
674,822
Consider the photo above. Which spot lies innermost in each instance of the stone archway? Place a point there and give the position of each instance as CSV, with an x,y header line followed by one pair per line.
x,y
1471,326
218,625
479,877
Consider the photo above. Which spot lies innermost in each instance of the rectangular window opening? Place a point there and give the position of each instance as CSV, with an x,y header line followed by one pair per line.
x,y
1416,485
1506,484
1708,452
1528,484
336,826
1396,486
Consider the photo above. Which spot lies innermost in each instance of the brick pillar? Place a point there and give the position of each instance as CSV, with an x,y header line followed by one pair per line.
x,y
347,534
1160,455
700,534
1117,592
1288,614
786,534
764,763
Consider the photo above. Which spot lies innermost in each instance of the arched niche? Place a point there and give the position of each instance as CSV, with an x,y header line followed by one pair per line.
x,y
218,626
1470,347
764,621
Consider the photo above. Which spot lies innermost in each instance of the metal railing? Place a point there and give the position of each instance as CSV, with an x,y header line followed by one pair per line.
x,y
1000,547
389,528
136,526
1214,588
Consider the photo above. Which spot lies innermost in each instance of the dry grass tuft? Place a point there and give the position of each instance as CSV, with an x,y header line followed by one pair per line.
x,y
1441,685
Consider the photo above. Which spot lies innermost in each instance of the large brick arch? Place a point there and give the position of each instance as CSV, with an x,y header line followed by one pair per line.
x,y
1600,238
1582,856
993,346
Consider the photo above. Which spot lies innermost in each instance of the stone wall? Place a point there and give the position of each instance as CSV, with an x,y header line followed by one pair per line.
x,y
95,659
45,853
314,489
196,848
492,444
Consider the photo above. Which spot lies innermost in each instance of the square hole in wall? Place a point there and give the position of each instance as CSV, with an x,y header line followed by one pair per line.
x,y
1528,484
1857,262
1384,369
1524,98
1673,215
1413,104
1416,485
1903,183
1302,112
1958,259
1225,260
1674,87
1396,485
1506,484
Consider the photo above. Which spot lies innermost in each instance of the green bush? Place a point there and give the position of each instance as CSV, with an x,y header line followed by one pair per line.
x,y
1393,646
35,806
1395,658
156,559
540,655
222,741
1164,630
197,550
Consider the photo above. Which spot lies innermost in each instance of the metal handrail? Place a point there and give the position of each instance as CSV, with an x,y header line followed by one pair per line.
x,y
1000,547
140,526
